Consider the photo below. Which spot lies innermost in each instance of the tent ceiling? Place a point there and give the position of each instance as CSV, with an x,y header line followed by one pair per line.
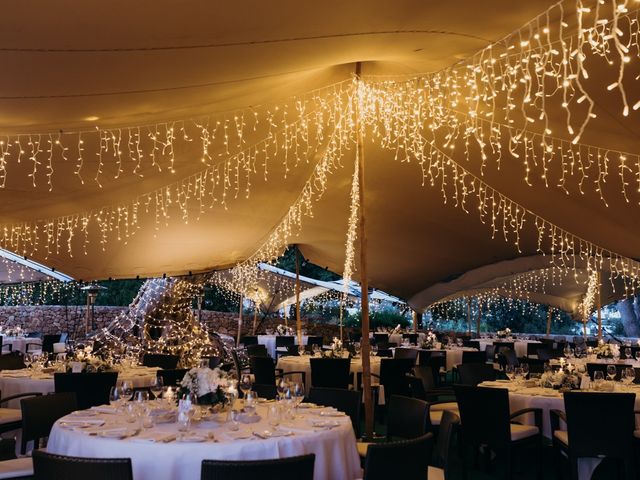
x,y
65,63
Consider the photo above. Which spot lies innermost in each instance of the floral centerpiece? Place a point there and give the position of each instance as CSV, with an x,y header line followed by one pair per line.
x,y
430,340
205,383
335,349
607,350
561,379
90,363
504,333
284,330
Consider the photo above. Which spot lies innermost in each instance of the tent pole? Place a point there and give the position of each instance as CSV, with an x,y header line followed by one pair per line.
x,y
286,319
469,315
549,315
240,321
599,307
341,326
414,316
255,317
479,319
298,320
364,284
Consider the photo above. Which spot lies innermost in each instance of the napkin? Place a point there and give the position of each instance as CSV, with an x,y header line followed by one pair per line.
x,y
74,422
104,409
239,435
264,434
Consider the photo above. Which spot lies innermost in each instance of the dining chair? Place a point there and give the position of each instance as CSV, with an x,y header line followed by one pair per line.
x,y
413,338
545,354
411,353
11,418
500,345
355,336
40,413
379,338
472,343
473,356
486,421
270,392
406,418
91,389
343,400
10,466
299,468
393,376
315,340
5,345
475,373
160,360
240,361
507,356
12,361
214,362
399,459
609,435
264,371
436,360
48,341
47,466
490,352
247,340
440,469
532,349
257,350
171,378
330,372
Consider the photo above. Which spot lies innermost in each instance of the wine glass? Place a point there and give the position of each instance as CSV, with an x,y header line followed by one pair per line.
x,y
611,372
298,393
115,396
245,384
156,387
274,415
127,391
374,349
630,375
637,355
508,370
357,347
525,370
301,350
141,396
27,359
627,353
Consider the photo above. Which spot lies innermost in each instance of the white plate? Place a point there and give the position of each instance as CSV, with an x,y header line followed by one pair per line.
x,y
191,438
118,433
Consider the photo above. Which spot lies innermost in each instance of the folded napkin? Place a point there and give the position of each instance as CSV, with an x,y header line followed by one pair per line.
x,y
239,435
155,437
81,421
325,423
264,434
104,409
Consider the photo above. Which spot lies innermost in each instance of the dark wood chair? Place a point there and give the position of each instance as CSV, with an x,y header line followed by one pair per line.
x,y
346,401
475,373
11,418
91,389
249,340
47,466
160,360
486,421
300,468
440,469
393,375
315,340
264,371
608,433
171,378
330,372
413,338
270,392
40,413
12,361
411,353
257,350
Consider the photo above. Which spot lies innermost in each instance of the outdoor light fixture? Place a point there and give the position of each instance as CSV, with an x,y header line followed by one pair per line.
x,y
92,293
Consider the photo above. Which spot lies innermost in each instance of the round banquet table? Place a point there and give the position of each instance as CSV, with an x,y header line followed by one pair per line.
x,y
269,341
19,344
152,459
294,363
520,346
13,382
548,399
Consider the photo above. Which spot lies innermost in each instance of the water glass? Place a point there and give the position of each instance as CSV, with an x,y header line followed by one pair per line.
x,y
611,372
509,371
157,387
234,416
274,415
245,384
141,396
598,378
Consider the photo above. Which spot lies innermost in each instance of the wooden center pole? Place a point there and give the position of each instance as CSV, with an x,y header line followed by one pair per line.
x,y
549,315
364,283
298,319
255,317
599,307
469,315
240,321
479,319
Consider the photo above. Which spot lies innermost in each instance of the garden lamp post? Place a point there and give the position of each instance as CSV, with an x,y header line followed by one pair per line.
x,y
92,293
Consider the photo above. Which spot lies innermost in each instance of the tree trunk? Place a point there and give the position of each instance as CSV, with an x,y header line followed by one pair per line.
x,y
628,309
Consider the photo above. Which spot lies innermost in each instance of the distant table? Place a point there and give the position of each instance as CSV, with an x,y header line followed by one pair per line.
x,y
520,346
269,341
19,344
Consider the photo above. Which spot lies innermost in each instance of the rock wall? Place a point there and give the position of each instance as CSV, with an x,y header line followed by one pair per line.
x,y
70,319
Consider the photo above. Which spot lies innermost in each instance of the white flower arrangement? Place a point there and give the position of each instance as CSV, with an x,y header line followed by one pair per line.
x,y
336,344
430,340
284,330
560,379
607,350
504,333
203,381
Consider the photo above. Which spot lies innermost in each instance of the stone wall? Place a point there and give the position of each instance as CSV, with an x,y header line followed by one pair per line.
x,y
56,319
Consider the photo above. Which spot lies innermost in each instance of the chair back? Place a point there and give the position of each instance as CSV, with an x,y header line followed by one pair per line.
x,y
413,338
484,415
472,356
300,468
285,340
445,433
263,369
393,375
12,361
407,417
381,462
411,353
160,360
608,432
315,340
249,340
508,357
91,389
490,352
47,466
257,350
239,358
270,392
425,374
171,378
435,359
40,413
472,343
499,346
532,348
474,373
602,367
213,361
355,336
330,372
48,341
346,401
545,354
379,338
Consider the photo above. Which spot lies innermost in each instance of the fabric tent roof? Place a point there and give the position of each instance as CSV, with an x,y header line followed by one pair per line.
x,y
129,63
15,269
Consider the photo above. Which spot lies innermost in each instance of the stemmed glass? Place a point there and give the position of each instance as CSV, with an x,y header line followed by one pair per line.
x,y
127,391
298,393
374,349
141,396
598,378
357,347
245,384
611,372
525,370
28,359
508,370
282,388
637,355
156,387
627,353
115,397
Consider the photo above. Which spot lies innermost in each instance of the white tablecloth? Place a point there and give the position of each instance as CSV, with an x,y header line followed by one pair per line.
x,y
335,449
19,344
13,382
302,363
269,341
520,346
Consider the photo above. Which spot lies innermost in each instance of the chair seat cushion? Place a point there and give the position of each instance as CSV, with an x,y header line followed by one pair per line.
x,y
362,448
18,467
435,416
453,406
563,436
636,433
435,473
10,415
519,432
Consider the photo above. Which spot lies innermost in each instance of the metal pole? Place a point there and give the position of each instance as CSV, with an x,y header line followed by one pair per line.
x,y
298,319
364,283
240,321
